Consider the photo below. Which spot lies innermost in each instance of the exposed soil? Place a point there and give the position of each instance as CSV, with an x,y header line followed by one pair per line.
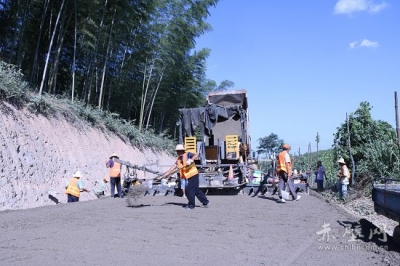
x,y
39,154
363,208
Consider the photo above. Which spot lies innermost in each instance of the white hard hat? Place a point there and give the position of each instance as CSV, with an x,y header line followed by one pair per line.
x,y
77,174
114,155
179,147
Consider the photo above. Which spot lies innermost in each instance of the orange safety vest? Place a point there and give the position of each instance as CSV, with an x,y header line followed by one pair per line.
x,y
281,166
115,171
73,188
186,171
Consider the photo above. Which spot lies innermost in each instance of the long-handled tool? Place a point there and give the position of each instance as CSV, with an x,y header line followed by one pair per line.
x,y
135,192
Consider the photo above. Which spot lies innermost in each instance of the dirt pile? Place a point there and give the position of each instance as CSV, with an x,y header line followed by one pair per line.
x,y
39,154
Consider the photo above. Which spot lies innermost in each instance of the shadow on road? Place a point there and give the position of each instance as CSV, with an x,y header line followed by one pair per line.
x,y
268,198
139,206
365,231
174,203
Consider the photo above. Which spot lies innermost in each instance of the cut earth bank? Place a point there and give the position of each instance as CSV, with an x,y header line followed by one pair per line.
x,y
40,153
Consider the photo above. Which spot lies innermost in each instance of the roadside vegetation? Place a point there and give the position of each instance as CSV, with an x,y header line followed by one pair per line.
x,y
369,148
127,66
132,60
16,91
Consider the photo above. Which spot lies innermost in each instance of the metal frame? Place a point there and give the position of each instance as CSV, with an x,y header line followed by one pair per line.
x,y
209,171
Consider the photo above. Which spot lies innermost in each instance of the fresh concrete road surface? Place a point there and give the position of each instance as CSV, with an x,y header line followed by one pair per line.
x,y
234,230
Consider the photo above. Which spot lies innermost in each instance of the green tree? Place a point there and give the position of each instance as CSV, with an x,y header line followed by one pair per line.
x,y
373,144
224,85
269,144
133,58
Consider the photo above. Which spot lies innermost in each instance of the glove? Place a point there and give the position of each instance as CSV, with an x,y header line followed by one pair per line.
x,y
189,161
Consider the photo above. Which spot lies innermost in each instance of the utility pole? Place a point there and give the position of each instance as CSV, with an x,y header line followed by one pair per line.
x,y
309,164
397,120
353,167
317,140
309,156
301,163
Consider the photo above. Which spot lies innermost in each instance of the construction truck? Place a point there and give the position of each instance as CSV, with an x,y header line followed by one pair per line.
x,y
219,133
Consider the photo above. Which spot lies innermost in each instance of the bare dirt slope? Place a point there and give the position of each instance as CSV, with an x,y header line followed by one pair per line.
x,y
234,230
38,154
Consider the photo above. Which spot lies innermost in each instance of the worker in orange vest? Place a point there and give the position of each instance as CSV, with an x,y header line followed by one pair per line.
x,y
284,171
115,175
74,187
188,171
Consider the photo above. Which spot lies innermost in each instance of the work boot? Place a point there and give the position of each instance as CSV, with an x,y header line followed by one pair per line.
x,y
264,191
255,194
205,205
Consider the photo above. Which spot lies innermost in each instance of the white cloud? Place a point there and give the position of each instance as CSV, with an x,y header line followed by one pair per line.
x,y
363,43
368,43
377,8
353,45
350,6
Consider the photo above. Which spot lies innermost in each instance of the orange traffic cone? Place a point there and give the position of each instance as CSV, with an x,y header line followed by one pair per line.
x,y
230,175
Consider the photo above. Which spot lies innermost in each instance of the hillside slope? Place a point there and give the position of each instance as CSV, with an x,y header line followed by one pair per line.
x,y
38,154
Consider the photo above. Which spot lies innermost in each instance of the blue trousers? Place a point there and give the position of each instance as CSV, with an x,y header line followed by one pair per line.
x,y
192,191
115,182
72,198
342,188
320,184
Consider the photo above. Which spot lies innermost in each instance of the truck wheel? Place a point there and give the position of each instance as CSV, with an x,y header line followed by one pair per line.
x,y
396,234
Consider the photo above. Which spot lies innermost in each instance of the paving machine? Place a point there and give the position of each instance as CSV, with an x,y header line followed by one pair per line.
x,y
219,133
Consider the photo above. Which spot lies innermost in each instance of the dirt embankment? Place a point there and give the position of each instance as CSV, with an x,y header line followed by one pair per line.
x,y
39,154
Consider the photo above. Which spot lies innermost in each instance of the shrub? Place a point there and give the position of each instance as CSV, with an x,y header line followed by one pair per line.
x,y
12,86
15,90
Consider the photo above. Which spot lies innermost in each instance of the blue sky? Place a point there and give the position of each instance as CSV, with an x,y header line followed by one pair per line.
x,y
305,64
